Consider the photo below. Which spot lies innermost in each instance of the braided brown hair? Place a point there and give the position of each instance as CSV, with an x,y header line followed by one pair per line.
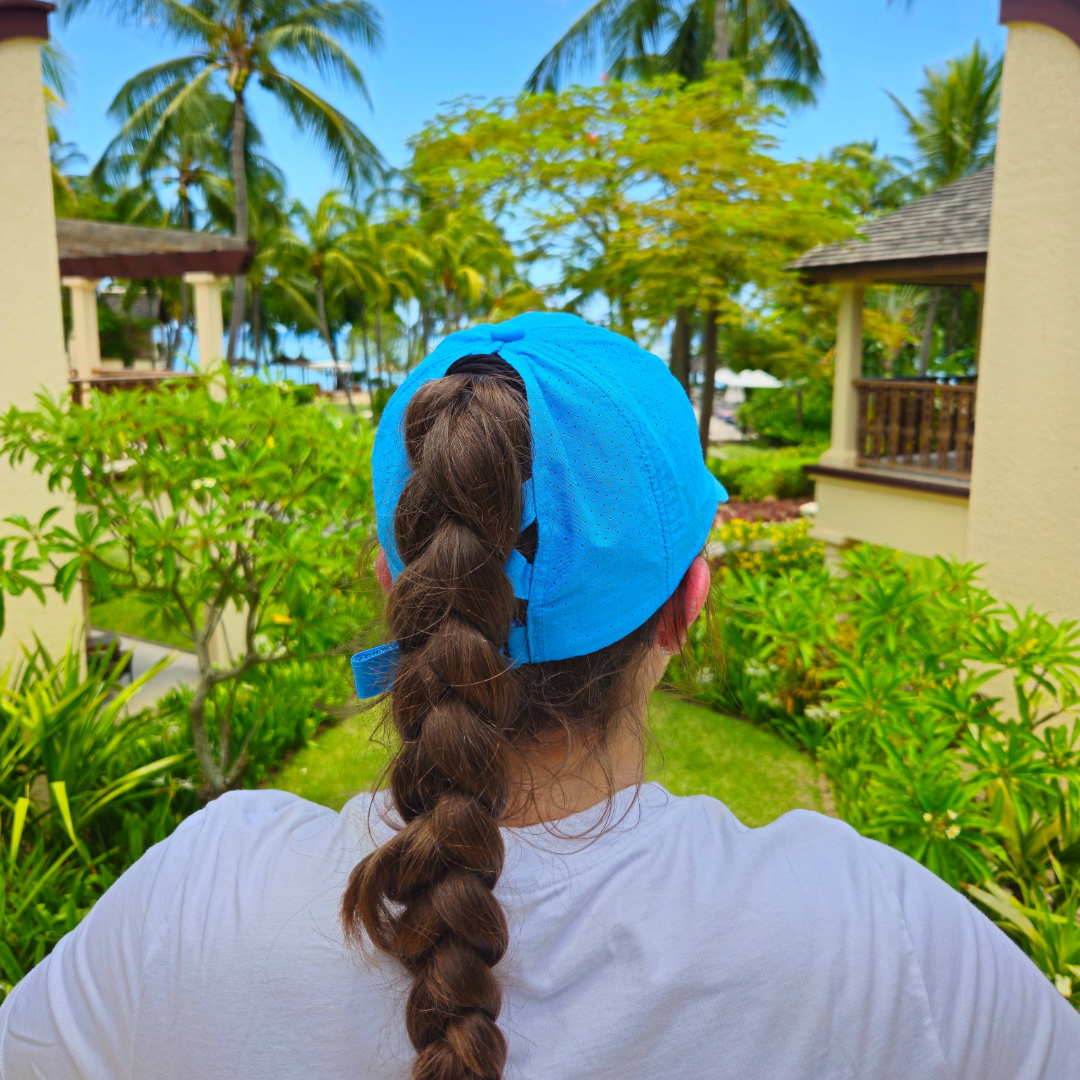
x,y
462,713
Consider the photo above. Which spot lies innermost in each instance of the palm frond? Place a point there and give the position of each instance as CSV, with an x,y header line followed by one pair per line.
x,y
317,47
577,47
351,151
792,52
155,84
55,70
355,20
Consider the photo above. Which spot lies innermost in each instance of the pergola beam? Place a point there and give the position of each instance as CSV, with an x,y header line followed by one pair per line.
x,y
92,250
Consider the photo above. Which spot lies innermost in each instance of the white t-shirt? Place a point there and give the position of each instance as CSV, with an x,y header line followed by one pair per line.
x,y
679,943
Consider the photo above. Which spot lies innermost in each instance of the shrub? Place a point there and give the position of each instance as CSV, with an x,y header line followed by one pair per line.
x,y
882,673
271,711
757,547
85,787
777,473
774,414
216,494
379,397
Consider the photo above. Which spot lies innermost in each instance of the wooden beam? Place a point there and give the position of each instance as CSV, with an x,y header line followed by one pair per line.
x,y
931,270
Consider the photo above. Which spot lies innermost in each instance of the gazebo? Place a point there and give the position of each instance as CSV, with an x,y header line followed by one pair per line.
x,y
92,250
988,472
898,469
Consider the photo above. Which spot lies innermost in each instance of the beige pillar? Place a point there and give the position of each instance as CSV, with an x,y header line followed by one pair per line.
x,y
228,642
979,289
845,419
31,326
209,327
1025,490
84,346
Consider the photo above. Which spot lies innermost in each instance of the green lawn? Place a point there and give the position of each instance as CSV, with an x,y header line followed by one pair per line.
x,y
744,449
757,775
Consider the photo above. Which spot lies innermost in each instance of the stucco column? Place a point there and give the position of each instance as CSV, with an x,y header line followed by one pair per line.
x,y
32,353
84,346
227,644
209,326
1025,488
848,367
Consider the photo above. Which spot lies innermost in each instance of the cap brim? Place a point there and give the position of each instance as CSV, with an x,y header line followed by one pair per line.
x,y
721,491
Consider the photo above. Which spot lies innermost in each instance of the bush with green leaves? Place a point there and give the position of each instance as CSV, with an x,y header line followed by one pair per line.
x,y
772,473
946,723
208,496
758,547
85,786
790,415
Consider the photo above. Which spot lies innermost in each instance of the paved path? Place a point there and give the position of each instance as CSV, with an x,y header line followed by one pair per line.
x,y
183,671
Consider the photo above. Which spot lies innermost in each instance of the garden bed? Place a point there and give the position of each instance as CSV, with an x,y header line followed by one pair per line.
x,y
766,510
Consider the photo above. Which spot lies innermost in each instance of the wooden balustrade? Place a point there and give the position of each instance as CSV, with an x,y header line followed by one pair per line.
x,y
916,424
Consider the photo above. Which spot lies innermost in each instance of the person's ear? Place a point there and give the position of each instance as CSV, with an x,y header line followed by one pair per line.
x,y
695,592
382,571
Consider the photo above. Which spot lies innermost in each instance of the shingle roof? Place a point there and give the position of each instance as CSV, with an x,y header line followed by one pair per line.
x,y
945,233
106,249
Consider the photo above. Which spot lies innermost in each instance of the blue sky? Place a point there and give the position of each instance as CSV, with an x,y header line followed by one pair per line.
x,y
435,51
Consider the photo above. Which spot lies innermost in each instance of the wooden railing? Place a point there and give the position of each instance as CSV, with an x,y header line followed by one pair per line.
x,y
119,380
916,424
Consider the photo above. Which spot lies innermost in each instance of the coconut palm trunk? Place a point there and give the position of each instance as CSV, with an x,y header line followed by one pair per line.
x,y
721,40
378,344
240,228
324,329
185,294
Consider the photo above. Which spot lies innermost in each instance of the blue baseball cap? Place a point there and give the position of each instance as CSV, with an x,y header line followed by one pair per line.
x,y
622,500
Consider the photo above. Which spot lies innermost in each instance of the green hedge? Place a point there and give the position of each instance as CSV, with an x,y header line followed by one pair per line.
x,y
776,473
774,414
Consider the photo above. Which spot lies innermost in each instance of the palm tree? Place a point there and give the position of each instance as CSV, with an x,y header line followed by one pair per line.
x,y
186,151
467,252
323,261
954,133
269,223
955,128
646,37
55,73
234,41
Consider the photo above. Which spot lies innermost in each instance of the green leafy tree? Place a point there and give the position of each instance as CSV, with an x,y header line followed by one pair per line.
x,y
595,179
880,184
186,154
220,495
236,41
645,38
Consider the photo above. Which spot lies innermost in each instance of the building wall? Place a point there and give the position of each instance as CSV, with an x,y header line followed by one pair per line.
x,y
922,523
31,327
1025,495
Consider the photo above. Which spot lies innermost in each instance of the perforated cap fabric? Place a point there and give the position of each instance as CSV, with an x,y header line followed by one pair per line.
x,y
623,501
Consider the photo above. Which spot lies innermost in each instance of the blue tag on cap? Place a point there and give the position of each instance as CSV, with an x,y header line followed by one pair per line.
x,y
373,669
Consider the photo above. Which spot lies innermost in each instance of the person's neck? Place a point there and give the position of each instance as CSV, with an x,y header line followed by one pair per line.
x,y
550,784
